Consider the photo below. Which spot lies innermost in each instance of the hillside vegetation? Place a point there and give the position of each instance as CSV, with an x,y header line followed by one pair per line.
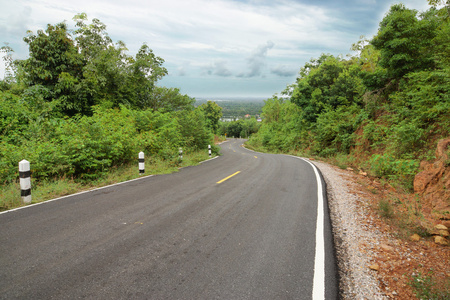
x,y
80,106
382,110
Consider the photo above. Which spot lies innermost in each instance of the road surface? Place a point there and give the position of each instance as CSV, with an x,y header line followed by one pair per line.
x,y
241,226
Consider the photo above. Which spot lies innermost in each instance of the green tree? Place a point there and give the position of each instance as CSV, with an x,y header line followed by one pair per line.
x,y
51,52
328,84
111,77
54,63
374,76
281,127
233,128
193,129
168,99
146,69
213,113
404,40
90,69
241,128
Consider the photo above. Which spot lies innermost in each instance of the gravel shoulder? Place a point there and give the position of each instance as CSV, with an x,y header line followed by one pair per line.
x,y
351,228
374,260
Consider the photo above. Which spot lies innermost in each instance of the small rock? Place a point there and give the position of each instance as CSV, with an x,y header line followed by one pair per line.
x,y
440,240
440,227
434,232
415,237
362,173
446,224
439,232
374,267
386,248
349,169
444,233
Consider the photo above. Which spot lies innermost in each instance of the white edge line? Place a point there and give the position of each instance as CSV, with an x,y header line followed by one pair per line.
x,y
209,159
88,191
318,292
243,146
319,260
76,194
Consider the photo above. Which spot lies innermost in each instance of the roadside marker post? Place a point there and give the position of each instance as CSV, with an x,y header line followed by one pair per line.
x,y
209,150
25,181
141,163
180,151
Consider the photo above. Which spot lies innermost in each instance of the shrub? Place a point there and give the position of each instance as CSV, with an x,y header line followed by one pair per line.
x,y
385,209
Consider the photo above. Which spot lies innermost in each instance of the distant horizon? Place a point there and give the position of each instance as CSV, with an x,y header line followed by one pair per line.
x,y
233,98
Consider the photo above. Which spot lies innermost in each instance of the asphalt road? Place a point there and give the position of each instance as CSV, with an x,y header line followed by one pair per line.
x,y
178,236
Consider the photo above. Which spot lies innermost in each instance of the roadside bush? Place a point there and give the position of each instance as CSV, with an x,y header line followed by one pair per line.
x,y
93,144
334,130
406,138
10,155
401,170
375,134
86,147
193,129
386,165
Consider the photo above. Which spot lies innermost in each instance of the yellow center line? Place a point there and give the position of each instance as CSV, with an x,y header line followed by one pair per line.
x,y
226,178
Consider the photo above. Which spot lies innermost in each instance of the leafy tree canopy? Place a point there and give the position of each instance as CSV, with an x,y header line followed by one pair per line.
x,y
83,67
405,40
213,113
328,83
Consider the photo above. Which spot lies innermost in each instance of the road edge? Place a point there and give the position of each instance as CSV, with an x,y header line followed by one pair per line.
x,y
320,290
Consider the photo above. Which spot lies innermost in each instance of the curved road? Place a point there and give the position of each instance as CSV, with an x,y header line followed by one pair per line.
x,y
241,226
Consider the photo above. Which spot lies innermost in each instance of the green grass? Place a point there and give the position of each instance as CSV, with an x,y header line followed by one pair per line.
x,y
426,287
50,189
385,208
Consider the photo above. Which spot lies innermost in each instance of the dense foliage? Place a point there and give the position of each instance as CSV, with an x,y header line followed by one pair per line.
x,y
386,106
242,128
213,113
80,105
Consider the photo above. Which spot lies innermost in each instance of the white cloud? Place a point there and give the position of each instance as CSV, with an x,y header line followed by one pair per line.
x,y
16,22
257,60
181,71
284,70
221,68
216,38
218,68
194,46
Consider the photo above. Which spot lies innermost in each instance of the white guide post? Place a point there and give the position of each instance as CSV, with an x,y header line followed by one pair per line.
x,y
141,163
25,181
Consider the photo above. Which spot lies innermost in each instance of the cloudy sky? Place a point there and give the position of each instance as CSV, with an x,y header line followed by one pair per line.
x,y
214,48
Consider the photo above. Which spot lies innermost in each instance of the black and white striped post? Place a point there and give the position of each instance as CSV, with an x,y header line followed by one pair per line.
x,y
141,163
25,181
180,153
209,150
